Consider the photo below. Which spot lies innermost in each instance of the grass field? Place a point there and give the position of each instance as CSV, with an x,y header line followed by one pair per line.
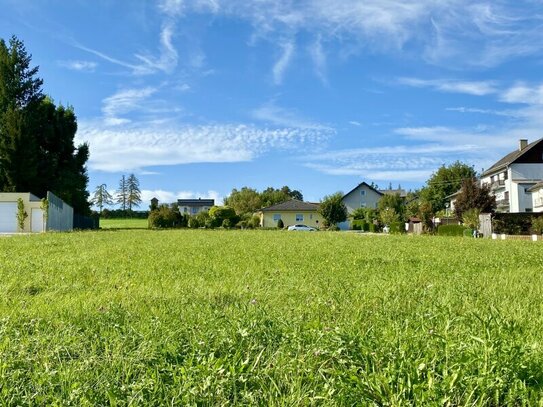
x,y
269,318
124,223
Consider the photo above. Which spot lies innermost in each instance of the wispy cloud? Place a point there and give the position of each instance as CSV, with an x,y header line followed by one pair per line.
x,y
122,102
83,66
477,88
275,115
287,51
462,109
318,54
523,93
355,123
143,145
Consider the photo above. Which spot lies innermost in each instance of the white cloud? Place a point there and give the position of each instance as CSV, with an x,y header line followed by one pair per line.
x,y
318,55
122,102
477,88
287,50
462,109
84,66
523,93
136,147
272,114
355,123
167,60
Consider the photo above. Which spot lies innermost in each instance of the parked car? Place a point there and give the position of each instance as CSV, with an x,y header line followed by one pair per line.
x,y
302,228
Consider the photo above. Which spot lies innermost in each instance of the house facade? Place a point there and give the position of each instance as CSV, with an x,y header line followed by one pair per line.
x,y
511,178
194,206
59,215
362,196
537,197
291,212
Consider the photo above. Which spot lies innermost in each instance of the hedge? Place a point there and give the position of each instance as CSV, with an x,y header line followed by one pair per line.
x,y
451,230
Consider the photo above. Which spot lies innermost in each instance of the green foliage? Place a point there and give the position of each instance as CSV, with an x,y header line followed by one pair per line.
x,y
332,209
122,193
470,218
168,217
101,197
367,214
473,196
21,214
451,230
388,216
513,223
360,224
537,225
397,227
444,182
394,202
280,224
133,197
37,151
265,317
218,214
244,201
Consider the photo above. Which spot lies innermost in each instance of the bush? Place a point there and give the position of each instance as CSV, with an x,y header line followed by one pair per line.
x,y
227,224
280,224
537,225
334,228
193,222
360,224
218,214
451,230
513,223
372,227
396,227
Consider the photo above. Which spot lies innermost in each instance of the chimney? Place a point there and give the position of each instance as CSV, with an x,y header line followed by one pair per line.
x,y
522,143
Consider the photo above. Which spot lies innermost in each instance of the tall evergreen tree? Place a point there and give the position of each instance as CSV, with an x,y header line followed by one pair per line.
x,y
122,193
37,152
134,193
102,197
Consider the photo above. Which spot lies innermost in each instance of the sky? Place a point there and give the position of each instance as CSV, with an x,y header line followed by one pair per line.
x,y
199,97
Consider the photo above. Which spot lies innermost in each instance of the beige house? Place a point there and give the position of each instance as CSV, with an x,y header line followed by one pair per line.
x,y
291,212
59,214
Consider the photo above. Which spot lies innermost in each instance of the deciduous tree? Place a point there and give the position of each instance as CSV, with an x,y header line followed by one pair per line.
x,y
474,196
332,209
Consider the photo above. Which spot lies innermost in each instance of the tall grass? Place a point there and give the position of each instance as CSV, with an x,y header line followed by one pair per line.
x,y
270,318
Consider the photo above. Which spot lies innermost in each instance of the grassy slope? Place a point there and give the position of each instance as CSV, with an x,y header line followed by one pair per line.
x,y
219,317
124,223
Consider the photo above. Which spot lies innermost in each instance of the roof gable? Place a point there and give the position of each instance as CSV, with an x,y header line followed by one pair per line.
x,y
532,153
361,185
292,205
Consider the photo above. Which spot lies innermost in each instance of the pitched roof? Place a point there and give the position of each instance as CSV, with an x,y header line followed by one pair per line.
x,y
511,157
366,184
398,191
195,202
537,186
292,205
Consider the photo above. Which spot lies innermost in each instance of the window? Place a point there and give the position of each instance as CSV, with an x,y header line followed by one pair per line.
x,y
363,192
276,216
194,209
299,217
362,204
185,209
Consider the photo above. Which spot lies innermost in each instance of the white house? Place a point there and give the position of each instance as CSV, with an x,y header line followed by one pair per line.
x,y
512,177
194,206
537,197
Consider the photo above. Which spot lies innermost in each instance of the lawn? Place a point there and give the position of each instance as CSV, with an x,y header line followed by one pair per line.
x,y
124,223
201,317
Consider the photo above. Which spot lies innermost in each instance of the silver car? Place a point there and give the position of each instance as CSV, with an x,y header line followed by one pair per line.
x,y
302,228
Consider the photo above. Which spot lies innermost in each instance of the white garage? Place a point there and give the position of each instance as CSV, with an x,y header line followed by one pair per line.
x,y
8,217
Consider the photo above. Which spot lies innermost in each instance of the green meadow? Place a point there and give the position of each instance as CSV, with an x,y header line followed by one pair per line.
x,y
124,223
196,317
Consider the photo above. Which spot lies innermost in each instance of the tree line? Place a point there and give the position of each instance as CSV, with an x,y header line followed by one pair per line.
x,y
37,151
128,195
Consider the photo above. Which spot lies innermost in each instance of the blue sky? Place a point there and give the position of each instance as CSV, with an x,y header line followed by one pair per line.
x,y
199,97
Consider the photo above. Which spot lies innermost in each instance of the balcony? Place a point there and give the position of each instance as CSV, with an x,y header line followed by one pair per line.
x,y
497,184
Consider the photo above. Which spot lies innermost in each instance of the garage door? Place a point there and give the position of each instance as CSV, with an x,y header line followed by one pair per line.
x,y
8,217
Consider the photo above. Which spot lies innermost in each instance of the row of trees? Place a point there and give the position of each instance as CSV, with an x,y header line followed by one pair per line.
x,y
128,195
248,200
37,151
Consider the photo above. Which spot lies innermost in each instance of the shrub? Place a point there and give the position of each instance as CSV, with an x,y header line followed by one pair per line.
x,y
470,218
21,214
163,217
227,223
360,224
537,225
451,230
334,228
193,222
372,227
280,224
396,227
218,214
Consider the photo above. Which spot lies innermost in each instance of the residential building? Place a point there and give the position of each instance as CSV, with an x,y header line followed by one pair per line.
x,y
59,215
512,177
194,206
361,196
291,212
537,197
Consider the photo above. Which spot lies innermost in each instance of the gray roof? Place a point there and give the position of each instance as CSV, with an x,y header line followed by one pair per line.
x,y
537,186
196,202
366,184
511,157
292,205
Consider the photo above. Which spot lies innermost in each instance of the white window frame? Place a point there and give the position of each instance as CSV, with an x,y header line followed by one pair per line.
x,y
276,217
299,217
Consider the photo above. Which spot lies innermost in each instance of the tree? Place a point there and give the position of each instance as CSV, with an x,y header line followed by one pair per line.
x,y
332,209
474,196
102,197
444,182
218,214
37,151
122,193
133,197
21,214
392,201
470,218
246,200
388,216
271,196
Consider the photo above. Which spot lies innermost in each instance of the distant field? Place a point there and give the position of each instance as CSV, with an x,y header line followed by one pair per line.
x,y
202,317
123,223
